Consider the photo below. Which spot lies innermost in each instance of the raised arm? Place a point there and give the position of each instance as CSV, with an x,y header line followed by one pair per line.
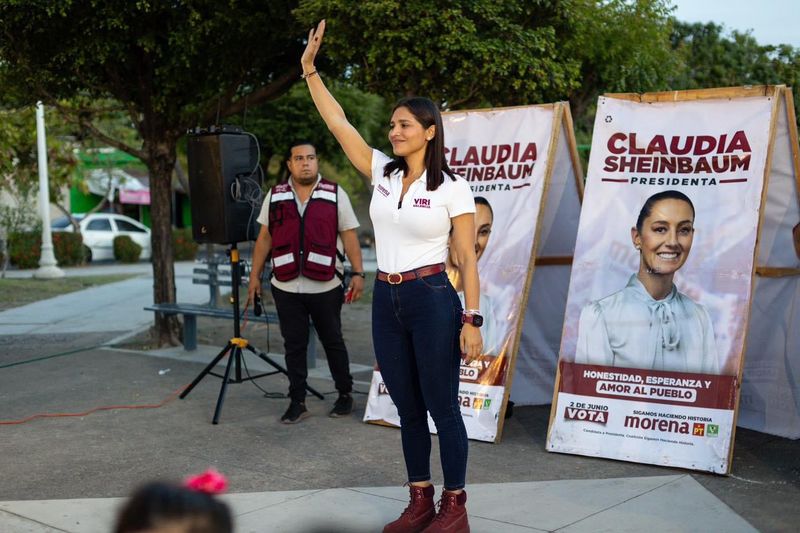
x,y
357,150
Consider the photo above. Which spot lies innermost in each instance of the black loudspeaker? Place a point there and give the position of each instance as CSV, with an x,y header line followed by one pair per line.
x,y
225,186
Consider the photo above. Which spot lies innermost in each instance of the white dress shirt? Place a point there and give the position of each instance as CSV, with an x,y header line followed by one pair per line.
x,y
414,234
631,329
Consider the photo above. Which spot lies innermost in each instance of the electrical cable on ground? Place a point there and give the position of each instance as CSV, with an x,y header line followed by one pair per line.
x,y
53,356
167,400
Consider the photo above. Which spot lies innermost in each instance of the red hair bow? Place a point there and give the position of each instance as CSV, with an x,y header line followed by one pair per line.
x,y
210,482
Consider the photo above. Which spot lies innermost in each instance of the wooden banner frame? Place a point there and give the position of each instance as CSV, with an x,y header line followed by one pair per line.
x,y
779,94
562,118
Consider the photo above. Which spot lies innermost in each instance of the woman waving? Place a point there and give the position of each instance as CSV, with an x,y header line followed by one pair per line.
x,y
419,328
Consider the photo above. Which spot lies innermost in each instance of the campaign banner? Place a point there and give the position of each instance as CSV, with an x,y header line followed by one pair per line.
x,y
661,281
502,153
615,413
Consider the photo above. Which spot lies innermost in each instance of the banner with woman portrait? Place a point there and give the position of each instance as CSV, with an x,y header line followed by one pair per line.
x,y
658,304
508,156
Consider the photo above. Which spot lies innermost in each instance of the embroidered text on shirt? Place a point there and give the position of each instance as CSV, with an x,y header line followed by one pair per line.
x,y
422,202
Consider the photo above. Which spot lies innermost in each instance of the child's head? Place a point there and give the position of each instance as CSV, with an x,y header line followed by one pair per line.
x,y
160,507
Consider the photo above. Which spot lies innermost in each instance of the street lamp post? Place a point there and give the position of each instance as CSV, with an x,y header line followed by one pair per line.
x,y
48,267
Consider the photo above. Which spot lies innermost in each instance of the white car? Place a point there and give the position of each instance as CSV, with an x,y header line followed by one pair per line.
x,y
99,230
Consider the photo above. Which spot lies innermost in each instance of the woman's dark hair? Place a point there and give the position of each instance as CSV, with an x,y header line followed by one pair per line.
x,y
647,208
480,200
158,502
426,112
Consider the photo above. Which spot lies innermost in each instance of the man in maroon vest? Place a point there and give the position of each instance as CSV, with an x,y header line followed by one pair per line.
x,y
306,224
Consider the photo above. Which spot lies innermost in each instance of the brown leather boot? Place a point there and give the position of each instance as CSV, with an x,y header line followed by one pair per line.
x,y
418,514
452,515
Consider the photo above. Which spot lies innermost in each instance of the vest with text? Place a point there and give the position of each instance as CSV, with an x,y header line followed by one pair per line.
x,y
304,244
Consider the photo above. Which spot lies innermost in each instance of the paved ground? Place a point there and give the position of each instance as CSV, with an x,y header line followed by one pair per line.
x,y
68,473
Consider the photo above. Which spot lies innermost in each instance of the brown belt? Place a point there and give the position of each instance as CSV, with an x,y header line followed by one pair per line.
x,y
395,278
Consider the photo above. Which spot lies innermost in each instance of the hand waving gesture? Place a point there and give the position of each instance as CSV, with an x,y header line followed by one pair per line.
x,y
314,42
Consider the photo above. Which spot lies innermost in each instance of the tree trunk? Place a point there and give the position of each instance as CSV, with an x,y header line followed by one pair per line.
x,y
161,163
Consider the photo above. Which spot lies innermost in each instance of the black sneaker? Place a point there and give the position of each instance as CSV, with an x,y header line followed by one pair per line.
x,y
342,407
295,413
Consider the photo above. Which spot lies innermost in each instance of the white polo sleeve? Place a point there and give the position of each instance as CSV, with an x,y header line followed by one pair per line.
x,y
460,199
347,217
263,216
379,160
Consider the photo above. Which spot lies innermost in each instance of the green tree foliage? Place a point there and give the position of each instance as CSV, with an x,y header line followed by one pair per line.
x,y
622,46
457,52
468,53
293,117
713,59
19,166
169,65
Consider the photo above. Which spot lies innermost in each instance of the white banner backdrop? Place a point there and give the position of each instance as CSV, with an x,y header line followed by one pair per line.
x,y
535,367
770,398
503,155
714,152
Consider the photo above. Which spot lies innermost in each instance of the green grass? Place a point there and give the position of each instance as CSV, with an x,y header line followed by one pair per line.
x,y
17,292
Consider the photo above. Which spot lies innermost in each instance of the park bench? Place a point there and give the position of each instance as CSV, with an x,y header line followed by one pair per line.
x,y
214,276
190,313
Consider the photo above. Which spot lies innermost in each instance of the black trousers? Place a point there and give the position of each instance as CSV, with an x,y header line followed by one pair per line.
x,y
325,309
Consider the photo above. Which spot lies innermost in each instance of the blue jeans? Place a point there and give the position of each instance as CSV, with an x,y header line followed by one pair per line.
x,y
415,328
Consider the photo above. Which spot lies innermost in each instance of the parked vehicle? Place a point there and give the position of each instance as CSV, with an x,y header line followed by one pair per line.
x,y
99,230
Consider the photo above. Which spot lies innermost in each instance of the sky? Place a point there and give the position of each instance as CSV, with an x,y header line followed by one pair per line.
x,y
772,21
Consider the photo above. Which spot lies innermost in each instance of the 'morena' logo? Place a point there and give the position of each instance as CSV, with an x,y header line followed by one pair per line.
x,y
472,402
657,424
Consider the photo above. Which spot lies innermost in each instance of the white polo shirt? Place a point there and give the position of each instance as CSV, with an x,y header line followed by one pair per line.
x,y
347,220
415,234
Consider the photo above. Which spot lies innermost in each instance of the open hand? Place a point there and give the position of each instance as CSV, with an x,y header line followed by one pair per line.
x,y
314,42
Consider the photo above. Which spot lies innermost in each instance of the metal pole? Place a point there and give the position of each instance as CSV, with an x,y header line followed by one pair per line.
x,y
48,267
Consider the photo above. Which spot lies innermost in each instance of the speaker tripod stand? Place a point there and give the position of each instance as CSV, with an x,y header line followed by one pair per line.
x,y
234,350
